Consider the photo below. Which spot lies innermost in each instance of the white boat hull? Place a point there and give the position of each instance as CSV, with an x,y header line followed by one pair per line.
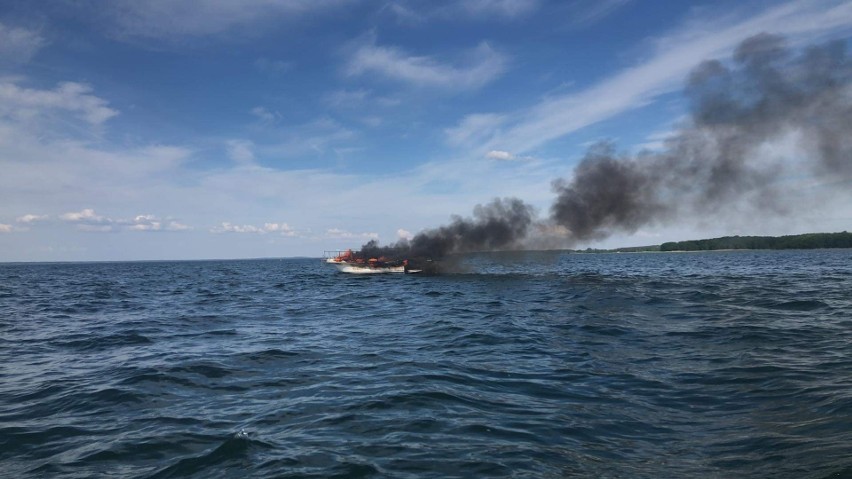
x,y
363,269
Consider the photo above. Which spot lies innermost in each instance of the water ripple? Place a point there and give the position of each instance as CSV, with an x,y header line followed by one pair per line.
x,y
722,364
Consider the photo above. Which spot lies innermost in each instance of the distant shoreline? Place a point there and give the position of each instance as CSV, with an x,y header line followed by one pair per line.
x,y
736,243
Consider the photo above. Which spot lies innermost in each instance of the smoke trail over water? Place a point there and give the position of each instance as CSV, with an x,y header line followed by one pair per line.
x,y
766,95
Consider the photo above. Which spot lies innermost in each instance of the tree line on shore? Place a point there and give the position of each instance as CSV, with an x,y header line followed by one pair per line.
x,y
803,241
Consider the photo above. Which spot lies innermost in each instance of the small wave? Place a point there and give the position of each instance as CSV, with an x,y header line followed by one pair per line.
x,y
157,377
802,305
98,343
69,398
207,370
795,305
267,355
20,440
233,451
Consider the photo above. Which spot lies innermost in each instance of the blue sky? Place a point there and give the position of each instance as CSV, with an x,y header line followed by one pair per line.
x,y
178,129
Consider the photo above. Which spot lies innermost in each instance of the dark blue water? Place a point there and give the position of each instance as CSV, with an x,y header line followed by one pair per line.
x,y
724,364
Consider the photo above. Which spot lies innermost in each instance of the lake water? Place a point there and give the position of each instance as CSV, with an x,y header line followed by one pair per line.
x,y
718,364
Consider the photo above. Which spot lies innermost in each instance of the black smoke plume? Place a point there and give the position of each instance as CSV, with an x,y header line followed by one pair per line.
x,y
715,160
501,224
764,95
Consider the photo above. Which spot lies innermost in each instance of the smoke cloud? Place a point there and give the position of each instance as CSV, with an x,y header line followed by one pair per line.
x,y
764,95
501,224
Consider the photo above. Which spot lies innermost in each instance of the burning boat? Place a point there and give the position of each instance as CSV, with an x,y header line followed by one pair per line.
x,y
353,262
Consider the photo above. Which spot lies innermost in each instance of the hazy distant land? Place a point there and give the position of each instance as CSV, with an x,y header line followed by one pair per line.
x,y
803,241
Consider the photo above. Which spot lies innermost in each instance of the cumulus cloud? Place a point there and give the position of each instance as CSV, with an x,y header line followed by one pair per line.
x,y
153,223
480,66
499,155
227,227
145,223
87,220
4,228
24,103
86,214
19,45
29,218
177,226
341,233
279,228
404,234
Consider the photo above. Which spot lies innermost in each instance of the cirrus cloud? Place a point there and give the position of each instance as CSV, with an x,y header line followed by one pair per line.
x,y
176,19
19,45
479,66
674,56
24,103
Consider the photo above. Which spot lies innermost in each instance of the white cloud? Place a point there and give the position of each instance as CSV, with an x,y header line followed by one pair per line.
x,y
280,228
19,45
315,137
168,19
25,103
474,129
345,98
145,223
153,223
499,155
339,233
4,228
87,220
675,56
241,151
35,163
480,66
655,141
177,226
404,234
463,9
405,14
227,227
264,115
507,8
372,121
86,214
29,218
585,13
